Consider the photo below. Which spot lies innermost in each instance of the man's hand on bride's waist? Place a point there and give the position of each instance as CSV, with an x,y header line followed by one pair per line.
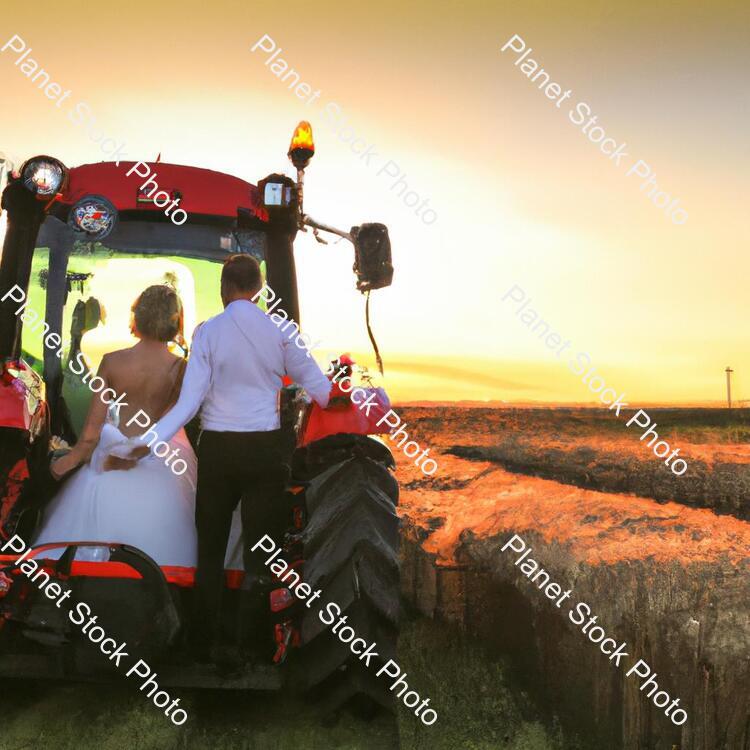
x,y
139,452
132,449
140,446
115,463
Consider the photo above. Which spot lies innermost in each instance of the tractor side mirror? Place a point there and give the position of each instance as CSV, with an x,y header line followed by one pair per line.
x,y
372,256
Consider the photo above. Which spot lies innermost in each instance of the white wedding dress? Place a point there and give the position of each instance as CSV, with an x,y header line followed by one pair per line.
x,y
149,506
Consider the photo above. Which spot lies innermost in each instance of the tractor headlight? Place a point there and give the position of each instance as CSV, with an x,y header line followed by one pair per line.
x,y
43,176
93,215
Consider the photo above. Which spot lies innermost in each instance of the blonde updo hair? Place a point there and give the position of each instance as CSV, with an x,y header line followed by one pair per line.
x,y
157,314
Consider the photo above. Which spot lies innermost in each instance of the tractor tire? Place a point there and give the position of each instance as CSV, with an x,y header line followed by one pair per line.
x,y
351,553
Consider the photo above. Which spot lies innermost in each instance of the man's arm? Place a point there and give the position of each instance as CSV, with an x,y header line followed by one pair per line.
x,y
194,389
304,371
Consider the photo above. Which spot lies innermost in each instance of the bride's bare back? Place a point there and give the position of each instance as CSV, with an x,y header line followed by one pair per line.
x,y
146,377
150,376
150,379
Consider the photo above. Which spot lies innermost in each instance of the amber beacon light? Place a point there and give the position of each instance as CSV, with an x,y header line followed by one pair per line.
x,y
302,147
301,150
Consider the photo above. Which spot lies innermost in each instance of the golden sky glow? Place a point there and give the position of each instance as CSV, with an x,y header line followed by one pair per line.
x,y
522,197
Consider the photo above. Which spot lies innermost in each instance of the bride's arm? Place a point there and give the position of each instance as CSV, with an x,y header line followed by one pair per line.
x,y
89,437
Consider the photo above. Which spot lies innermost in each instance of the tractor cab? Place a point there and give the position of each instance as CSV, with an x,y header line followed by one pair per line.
x,y
104,238
80,245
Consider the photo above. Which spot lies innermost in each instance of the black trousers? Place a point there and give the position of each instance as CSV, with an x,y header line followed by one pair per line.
x,y
234,466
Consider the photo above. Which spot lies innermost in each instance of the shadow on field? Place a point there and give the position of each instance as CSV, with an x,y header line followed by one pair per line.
x,y
477,709
118,717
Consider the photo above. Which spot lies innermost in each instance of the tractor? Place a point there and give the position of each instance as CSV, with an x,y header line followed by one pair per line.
x,y
80,244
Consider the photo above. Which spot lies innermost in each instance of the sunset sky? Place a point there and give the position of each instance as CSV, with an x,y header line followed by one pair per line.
x,y
521,196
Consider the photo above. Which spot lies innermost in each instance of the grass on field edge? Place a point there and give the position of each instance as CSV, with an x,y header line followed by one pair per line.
x,y
478,709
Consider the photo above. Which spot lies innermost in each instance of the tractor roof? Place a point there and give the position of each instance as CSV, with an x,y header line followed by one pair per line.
x,y
202,191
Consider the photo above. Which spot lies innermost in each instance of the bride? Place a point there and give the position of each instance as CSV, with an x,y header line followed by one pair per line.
x,y
111,499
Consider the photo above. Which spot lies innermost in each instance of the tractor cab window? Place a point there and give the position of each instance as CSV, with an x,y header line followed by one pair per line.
x,y
101,285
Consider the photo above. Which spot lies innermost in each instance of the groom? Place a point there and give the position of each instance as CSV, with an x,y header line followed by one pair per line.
x,y
234,376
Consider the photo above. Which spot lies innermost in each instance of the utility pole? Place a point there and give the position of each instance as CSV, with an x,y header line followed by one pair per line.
x,y
729,372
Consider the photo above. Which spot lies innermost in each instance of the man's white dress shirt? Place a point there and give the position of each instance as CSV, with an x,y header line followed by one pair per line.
x,y
234,372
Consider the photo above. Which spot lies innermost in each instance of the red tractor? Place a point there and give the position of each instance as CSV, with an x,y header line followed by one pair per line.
x,y
80,244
